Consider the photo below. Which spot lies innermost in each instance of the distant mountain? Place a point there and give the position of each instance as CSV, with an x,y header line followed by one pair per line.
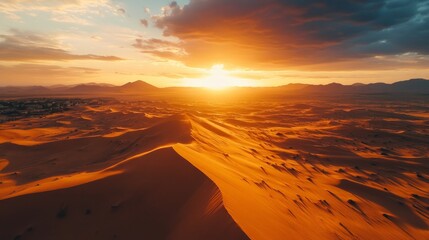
x,y
294,86
131,87
17,90
89,88
64,87
332,87
137,86
413,86
407,86
102,88
101,84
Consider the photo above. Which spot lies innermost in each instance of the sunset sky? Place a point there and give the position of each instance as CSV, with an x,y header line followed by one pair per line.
x,y
191,43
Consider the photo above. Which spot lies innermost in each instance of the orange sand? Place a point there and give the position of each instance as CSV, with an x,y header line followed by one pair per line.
x,y
219,169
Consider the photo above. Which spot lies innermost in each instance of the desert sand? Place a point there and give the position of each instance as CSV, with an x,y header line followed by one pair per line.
x,y
219,167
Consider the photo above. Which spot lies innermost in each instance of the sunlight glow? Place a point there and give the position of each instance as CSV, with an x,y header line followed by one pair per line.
x,y
218,78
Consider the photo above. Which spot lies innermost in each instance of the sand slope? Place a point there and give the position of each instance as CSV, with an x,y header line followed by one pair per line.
x,y
155,196
277,169
129,186
305,176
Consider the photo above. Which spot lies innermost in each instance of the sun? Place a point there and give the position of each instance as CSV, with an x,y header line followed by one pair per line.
x,y
218,78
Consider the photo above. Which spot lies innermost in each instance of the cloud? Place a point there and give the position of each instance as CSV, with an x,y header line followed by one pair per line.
x,y
160,48
180,75
68,11
144,22
122,11
22,46
295,33
36,74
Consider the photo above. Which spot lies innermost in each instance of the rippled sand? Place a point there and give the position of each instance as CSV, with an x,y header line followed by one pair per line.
x,y
268,168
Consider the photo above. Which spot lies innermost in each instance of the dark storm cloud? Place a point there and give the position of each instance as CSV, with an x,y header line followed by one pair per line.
x,y
296,32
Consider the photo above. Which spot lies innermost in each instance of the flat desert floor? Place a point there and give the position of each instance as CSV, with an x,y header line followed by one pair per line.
x,y
275,169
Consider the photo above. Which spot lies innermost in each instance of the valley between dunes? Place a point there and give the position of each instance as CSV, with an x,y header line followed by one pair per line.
x,y
308,169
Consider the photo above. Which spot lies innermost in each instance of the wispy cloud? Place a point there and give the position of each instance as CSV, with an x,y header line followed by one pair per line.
x,y
37,74
160,48
68,11
144,22
24,46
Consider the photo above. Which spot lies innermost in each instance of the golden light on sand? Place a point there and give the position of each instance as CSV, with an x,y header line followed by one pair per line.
x,y
218,78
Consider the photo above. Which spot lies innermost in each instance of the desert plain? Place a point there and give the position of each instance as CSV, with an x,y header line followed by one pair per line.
x,y
219,164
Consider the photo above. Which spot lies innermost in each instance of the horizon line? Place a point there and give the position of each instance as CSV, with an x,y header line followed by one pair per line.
x,y
176,86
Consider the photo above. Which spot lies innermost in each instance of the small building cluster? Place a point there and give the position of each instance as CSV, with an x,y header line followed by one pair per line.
x,y
22,108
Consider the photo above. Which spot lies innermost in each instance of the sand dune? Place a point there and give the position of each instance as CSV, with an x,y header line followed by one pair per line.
x,y
156,196
295,169
129,186
315,179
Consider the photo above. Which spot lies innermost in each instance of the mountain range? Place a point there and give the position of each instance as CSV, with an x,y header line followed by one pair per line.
x,y
87,88
417,86
406,86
